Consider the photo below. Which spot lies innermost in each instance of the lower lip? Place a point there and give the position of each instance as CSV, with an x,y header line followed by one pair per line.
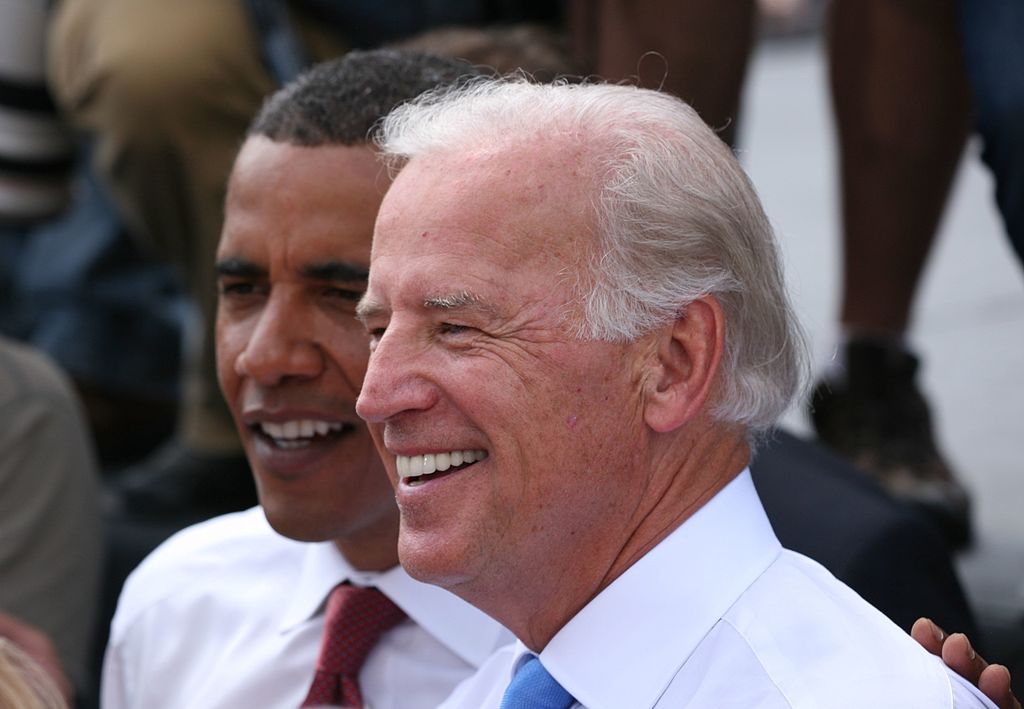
x,y
437,482
296,462
417,482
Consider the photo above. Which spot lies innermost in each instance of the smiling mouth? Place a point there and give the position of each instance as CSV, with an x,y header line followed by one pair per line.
x,y
300,433
417,469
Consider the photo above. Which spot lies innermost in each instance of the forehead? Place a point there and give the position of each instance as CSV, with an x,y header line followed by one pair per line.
x,y
521,205
286,198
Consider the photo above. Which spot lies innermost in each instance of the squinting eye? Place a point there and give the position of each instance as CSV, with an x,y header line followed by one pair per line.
x,y
344,294
446,328
237,288
375,335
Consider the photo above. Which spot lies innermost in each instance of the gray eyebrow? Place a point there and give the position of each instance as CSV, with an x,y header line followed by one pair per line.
x,y
451,301
367,308
462,300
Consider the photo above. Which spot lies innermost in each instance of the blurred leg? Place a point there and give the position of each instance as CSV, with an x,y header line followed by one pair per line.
x,y
902,111
695,49
901,103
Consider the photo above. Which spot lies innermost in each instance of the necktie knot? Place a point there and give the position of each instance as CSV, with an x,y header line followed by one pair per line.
x,y
355,620
533,687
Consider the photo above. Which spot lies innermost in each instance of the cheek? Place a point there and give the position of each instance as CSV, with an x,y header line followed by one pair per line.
x,y
349,348
230,341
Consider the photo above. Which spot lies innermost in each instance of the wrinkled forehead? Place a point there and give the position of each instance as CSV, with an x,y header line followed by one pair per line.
x,y
528,199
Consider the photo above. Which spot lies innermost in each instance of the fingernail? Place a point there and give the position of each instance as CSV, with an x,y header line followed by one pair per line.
x,y
970,648
937,632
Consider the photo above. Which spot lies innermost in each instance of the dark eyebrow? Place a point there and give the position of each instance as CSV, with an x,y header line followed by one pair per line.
x,y
240,268
336,271
341,271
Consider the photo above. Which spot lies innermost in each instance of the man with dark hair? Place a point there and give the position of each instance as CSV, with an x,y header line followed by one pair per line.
x,y
253,597
340,102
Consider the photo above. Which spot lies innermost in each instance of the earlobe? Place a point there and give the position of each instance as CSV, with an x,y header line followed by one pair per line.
x,y
688,353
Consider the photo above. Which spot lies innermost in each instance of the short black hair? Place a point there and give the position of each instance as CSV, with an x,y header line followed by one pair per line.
x,y
338,102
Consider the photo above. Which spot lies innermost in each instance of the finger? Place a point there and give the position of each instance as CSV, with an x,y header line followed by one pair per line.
x,y
929,635
994,683
958,654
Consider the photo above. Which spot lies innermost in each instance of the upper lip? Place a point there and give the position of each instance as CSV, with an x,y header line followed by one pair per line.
x,y
256,416
410,450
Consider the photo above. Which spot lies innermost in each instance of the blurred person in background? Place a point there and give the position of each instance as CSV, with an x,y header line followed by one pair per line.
x,y
50,533
71,282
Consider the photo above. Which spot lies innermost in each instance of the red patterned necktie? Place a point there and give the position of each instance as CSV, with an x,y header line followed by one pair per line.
x,y
356,618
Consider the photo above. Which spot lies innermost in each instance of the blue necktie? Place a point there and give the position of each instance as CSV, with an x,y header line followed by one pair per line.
x,y
534,688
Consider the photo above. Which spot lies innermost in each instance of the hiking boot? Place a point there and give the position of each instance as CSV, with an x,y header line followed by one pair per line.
x,y
879,420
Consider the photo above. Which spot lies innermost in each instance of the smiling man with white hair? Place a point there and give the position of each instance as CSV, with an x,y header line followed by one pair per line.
x,y
577,285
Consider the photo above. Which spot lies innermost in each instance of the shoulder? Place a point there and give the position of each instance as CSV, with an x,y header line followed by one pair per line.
x,y
209,561
26,371
820,644
823,508
40,407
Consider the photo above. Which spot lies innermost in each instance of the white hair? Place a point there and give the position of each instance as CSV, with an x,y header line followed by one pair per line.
x,y
677,220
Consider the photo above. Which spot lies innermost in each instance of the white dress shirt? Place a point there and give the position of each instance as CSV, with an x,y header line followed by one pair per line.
x,y
719,615
229,614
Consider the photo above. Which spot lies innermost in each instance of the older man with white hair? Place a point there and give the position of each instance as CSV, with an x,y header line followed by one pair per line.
x,y
579,330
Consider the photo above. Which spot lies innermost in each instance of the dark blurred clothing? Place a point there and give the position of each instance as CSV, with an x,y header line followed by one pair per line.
x,y
822,507
993,37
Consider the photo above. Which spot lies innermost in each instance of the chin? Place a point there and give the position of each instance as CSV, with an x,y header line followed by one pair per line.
x,y
300,525
432,563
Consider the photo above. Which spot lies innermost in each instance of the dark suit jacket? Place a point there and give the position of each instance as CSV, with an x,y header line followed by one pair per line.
x,y
828,510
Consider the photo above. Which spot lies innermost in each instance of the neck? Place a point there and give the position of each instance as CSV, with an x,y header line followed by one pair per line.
x,y
373,551
686,473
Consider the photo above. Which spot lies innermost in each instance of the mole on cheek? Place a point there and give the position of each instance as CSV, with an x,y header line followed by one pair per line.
x,y
425,234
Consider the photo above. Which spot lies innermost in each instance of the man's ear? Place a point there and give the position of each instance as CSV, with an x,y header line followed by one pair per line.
x,y
688,352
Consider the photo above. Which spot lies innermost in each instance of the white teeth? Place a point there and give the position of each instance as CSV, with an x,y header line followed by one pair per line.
x,y
416,465
272,429
299,430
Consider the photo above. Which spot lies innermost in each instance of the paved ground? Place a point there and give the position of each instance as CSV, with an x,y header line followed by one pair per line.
x,y
969,320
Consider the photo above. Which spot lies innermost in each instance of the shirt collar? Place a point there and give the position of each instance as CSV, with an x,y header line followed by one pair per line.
x,y
647,622
466,631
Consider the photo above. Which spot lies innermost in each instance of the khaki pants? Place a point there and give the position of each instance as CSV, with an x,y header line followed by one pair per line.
x,y
166,91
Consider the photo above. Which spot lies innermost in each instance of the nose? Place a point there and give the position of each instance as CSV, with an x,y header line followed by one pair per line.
x,y
282,344
398,379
